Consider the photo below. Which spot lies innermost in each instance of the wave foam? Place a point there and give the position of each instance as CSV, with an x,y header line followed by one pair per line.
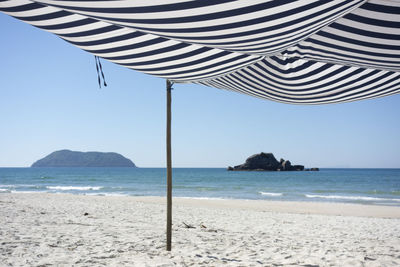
x,y
353,198
270,194
80,188
19,185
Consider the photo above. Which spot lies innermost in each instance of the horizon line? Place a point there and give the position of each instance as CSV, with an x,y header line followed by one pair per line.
x,y
181,167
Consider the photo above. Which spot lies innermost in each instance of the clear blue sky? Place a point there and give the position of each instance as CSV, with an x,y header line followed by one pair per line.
x,y
50,100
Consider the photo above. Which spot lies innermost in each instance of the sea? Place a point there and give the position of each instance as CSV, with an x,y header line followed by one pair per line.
x,y
363,186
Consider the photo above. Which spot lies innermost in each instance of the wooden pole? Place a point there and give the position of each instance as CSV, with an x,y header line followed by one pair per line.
x,y
169,168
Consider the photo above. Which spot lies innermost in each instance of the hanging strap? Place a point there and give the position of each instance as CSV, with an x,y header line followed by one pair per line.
x,y
99,70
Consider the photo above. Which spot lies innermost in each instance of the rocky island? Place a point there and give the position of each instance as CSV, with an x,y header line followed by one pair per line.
x,y
68,158
267,162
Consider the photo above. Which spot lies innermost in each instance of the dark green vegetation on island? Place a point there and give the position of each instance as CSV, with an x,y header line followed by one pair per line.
x,y
267,162
68,158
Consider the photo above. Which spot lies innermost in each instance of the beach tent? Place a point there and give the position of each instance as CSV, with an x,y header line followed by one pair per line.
x,y
297,52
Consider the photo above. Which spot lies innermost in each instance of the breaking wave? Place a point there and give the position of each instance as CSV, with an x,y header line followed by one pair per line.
x,y
80,188
270,194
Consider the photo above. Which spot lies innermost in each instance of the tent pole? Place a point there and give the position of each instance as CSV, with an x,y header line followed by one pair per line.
x,y
169,167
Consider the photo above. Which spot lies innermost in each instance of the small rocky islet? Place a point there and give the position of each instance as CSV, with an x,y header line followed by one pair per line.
x,y
268,162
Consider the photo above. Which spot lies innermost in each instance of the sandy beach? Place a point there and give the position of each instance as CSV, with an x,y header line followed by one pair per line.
x,y
41,229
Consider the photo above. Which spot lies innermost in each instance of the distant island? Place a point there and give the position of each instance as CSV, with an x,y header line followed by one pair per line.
x,y
68,158
267,162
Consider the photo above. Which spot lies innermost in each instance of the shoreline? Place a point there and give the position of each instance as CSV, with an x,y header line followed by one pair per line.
x,y
296,207
363,200
41,229
265,205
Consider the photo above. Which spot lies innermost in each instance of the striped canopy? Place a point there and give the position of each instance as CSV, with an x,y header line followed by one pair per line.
x,y
298,52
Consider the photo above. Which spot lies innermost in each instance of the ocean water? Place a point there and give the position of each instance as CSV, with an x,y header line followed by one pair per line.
x,y
365,186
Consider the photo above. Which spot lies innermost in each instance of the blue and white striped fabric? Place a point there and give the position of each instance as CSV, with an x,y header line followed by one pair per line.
x,y
298,52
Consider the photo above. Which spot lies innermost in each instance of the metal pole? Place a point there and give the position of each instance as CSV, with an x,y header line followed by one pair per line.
x,y
169,168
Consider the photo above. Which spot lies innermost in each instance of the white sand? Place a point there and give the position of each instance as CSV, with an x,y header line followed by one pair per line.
x,y
51,229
